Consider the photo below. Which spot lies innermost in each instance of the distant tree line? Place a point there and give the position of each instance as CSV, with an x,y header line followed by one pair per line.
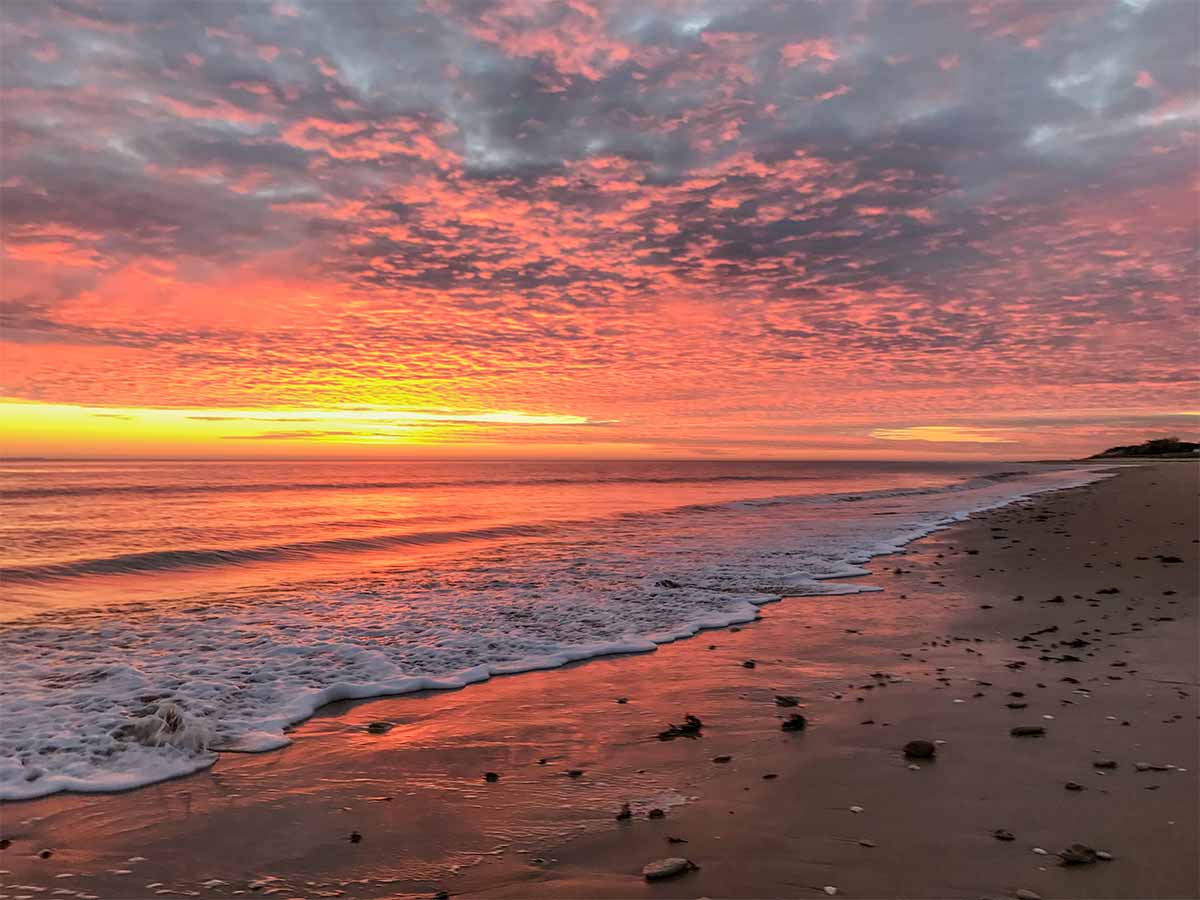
x,y
1164,446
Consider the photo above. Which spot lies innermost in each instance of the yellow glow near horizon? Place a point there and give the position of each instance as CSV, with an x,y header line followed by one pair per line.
x,y
49,428
373,430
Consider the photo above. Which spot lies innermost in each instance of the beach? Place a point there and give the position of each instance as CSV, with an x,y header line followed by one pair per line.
x,y
1073,612
561,449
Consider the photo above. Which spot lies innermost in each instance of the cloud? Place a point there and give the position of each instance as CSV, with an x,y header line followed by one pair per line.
x,y
942,434
648,216
288,435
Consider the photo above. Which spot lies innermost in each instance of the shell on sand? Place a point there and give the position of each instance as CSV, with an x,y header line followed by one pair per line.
x,y
667,868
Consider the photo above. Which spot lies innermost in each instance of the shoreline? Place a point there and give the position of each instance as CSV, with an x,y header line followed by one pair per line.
x,y
845,582
442,815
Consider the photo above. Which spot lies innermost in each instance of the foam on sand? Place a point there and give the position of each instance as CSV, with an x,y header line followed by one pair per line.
x,y
106,700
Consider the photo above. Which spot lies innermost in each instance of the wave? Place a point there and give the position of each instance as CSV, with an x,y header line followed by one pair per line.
x,y
267,487
237,673
207,557
157,560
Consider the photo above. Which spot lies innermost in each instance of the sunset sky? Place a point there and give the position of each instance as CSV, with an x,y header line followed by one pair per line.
x,y
633,229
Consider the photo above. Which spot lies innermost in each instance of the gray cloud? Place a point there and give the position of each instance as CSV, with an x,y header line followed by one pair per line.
x,y
951,161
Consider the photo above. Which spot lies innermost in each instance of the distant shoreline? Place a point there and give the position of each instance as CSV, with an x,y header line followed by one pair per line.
x,y
1165,457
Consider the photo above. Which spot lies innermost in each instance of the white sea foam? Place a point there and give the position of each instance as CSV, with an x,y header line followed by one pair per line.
x,y
111,699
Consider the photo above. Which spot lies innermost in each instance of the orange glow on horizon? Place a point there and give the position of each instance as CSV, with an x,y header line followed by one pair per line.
x,y
66,430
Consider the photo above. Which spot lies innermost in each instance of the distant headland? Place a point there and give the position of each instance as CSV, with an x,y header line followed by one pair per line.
x,y
1167,447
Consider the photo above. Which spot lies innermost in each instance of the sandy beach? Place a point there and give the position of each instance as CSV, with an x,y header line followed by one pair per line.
x,y
1073,612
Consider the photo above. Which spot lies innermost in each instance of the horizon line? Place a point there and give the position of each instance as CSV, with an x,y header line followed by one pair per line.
x,y
467,459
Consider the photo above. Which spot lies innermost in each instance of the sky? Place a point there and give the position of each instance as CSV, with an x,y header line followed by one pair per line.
x,y
962,229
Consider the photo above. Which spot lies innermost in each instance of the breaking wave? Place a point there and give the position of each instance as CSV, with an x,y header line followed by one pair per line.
x,y
116,696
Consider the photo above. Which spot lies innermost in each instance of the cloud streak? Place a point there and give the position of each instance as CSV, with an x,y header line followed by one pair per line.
x,y
942,434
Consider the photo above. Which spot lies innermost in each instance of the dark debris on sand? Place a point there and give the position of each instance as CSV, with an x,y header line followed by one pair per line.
x,y
690,728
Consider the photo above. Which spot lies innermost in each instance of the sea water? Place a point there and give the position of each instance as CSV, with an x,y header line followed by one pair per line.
x,y
156,613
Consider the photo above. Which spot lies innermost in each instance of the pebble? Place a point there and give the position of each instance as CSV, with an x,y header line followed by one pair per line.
x,y
856,809
1027,731
920,750
491,777
1077,855
1003,834
667,868
795,722
1026,894
829,889
1040,851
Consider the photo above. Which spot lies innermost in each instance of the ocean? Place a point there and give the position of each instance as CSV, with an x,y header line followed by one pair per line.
x,y
155,613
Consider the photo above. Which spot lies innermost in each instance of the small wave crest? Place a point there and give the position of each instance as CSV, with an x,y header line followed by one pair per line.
x,y
207,557
265,487
159,560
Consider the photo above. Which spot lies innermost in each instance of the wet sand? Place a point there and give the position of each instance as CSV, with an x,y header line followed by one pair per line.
x,y
936,655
